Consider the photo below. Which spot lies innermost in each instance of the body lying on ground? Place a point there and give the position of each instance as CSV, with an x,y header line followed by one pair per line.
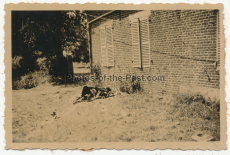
x,y
92,93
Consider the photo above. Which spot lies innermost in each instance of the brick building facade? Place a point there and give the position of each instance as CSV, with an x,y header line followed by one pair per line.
x,y
181,45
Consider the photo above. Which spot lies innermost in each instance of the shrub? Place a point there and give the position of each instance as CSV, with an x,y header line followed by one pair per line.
x,y
96,69
16,62
43,64
124,86
17,70
130,86
136,86
197,104
32,79
185,98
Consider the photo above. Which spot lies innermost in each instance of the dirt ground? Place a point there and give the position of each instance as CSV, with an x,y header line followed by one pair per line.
x,y
125,117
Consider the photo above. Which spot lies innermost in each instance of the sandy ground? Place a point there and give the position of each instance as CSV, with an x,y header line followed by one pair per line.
x,y
114,119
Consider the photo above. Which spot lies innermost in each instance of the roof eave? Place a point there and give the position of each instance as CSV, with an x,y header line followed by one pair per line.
x,y
101,16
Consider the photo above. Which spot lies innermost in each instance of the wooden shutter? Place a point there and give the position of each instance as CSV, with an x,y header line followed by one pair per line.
x,y
109,44
103,47
145,43
136,43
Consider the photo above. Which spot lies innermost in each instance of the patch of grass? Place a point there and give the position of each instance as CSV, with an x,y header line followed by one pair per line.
x,y
199,107
194,112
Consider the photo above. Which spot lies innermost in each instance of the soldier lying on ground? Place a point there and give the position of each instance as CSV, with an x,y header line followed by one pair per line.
x,y
92,93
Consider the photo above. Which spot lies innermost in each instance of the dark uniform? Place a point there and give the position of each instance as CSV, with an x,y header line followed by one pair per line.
x,y
89,92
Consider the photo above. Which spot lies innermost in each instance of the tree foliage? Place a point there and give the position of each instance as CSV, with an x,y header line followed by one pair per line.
x,y
46,34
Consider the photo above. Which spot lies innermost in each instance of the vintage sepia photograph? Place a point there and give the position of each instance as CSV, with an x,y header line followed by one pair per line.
x,y
141,75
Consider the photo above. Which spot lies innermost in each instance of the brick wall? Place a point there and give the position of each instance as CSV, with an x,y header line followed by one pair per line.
x,y
183,49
